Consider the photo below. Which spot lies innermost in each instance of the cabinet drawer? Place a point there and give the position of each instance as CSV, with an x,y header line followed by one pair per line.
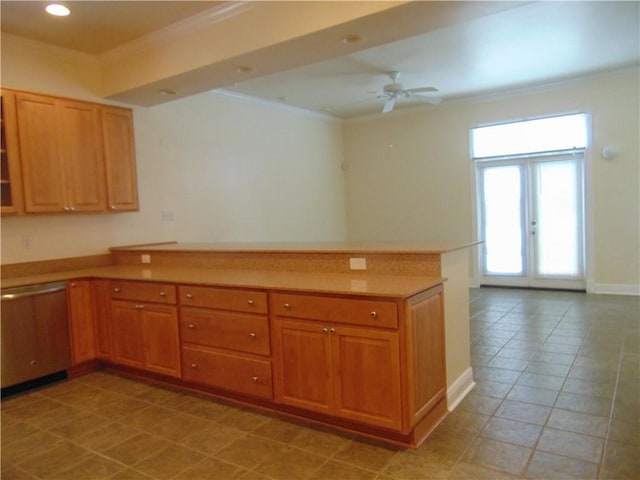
x,y
232,331
228,372
143,292
341,310
249,301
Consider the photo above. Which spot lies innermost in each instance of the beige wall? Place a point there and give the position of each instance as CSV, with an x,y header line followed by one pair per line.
x,y
223,168
409,176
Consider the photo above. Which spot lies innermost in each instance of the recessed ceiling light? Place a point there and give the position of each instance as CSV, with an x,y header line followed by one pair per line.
x,y
57,9
351,38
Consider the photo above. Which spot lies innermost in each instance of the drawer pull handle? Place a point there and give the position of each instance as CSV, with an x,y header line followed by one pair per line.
x,y
139,306
373,314
191,325
163,294
116,290
286,306
194,365
250,302
255,379
252,335
189,296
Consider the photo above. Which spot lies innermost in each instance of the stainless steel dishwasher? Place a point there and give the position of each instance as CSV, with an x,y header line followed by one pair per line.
x,y
35,333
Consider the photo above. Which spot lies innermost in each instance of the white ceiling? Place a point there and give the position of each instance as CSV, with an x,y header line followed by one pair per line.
x,y
533,43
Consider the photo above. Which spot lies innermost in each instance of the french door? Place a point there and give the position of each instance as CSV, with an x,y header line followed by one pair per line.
x,y
531,219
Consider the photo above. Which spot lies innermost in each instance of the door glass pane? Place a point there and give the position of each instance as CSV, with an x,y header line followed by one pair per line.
x,y
557,216
502,213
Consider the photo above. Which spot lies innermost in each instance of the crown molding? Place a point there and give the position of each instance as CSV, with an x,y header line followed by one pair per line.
x,y
207,18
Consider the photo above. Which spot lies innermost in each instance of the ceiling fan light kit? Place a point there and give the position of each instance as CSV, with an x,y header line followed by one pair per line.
x,y
395,90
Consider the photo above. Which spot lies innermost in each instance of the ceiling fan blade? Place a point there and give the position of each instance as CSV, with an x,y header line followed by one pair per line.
x,y
431,100
421,89
388,106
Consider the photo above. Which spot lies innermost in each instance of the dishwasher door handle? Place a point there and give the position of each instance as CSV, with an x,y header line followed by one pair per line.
x,y
31,293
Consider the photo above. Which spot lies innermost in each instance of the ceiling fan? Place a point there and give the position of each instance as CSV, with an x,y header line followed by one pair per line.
x,y
394,91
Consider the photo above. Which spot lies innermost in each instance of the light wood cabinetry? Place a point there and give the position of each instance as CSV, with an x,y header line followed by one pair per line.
x,y
73,156
102,319
61,154
119,158
81,321
225,339
10,172
144,322
369,364
326,365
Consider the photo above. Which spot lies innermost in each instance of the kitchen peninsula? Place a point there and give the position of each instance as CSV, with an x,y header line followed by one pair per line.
x,y
343,334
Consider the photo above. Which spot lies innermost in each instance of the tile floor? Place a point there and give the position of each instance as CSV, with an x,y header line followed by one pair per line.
x,y
557,396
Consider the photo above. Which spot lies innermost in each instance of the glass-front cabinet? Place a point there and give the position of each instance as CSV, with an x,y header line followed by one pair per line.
x,y
10,185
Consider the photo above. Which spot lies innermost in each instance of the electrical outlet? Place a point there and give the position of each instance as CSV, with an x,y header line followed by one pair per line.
x,y
145,258
358,263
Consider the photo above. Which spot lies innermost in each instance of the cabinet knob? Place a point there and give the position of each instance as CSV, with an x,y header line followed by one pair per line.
x,y
325,330
139,306
73,284
373,314
72,209
255,379
191,326
113,207
252,336
116,290
287,306
250,302
189,296
194,365
32,363
332,331
163,294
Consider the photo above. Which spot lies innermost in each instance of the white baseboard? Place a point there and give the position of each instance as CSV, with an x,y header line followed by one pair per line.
x,y
616,289
460,388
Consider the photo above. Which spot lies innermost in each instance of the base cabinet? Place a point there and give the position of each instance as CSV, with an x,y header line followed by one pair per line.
x,y
145,334
81,321
347,372
373,365
225,339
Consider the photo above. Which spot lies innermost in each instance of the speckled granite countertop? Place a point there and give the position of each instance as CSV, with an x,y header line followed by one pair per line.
x,y
337,283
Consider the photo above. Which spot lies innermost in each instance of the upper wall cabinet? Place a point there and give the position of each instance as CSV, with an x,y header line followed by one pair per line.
x,y
10,177
119,158
75,156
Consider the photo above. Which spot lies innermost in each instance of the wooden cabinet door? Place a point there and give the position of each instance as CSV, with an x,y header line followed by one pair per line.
x,y
39,143
427,361
82,156
11,176
366,372
81,321
119,158
161,339
128,328
303,365
102,318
